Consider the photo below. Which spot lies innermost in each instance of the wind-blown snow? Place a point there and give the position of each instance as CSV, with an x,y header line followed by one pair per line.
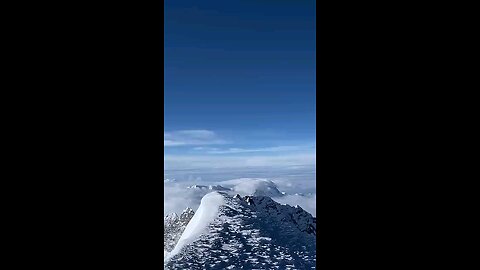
x,y
206,213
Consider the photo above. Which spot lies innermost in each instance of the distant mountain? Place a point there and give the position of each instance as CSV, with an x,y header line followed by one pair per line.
x,y
210,187
249,232
254,186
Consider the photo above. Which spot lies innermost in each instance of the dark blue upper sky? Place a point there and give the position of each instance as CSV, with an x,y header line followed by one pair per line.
x,y
241,69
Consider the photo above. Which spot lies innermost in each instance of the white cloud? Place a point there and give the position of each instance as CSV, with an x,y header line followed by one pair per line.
x,y
177,196
202,148
253,150
191,137
172,143
291,168
307,202
179,162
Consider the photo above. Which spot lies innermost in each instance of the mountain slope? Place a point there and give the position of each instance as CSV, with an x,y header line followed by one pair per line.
x,y
251,232
173,227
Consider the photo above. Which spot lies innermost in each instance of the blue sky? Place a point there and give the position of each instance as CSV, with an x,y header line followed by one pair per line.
x,y
239,83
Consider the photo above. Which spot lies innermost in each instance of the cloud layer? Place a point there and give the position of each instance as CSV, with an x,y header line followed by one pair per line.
x,y
202,157
179,196
212,150
179,162
191,137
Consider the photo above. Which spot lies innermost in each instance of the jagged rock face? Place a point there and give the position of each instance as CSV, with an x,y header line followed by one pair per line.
x,y
285,214
174,226
252,233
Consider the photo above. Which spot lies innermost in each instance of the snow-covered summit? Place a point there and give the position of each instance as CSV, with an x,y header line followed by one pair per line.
x,y
210,187
254,186
245,232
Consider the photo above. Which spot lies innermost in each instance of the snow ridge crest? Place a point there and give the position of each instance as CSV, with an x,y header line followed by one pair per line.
x,y
233,232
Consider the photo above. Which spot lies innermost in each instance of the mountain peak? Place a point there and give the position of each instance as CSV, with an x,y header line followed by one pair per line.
x,y
251,232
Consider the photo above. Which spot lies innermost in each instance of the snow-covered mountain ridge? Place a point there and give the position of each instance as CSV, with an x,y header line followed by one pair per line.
x,y
174,226
241,232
